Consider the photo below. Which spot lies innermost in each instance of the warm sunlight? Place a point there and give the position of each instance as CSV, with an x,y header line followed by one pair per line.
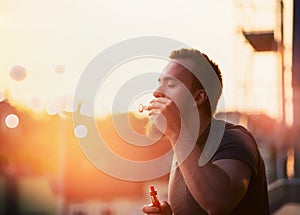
x,y
41,77
47,46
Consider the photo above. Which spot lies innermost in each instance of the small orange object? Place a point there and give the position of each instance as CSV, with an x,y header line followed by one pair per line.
x,y
142,108
154,199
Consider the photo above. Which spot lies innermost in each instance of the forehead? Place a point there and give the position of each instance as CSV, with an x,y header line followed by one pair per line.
x,y
177,71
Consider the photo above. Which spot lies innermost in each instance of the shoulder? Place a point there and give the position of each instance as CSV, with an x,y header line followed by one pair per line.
x,y
237,133
238,144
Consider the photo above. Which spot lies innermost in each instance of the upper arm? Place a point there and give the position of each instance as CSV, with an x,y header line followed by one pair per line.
x,y
239,174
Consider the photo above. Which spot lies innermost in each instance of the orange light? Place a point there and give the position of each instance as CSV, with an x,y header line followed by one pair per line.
x,y
290,163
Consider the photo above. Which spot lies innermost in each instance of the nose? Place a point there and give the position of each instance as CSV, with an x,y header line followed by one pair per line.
x,y
158,93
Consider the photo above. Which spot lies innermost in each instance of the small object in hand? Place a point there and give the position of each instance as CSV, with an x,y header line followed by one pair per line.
x,y
142,108
154,199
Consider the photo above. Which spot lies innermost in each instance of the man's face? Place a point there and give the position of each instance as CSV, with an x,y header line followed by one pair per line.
x,y
175,84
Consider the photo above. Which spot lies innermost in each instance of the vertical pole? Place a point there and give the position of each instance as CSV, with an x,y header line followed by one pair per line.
x,y
296,84
281,50
281,152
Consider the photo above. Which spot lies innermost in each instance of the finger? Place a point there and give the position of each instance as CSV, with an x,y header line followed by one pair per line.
x,y
162,100
164,204
165,207
159,103
153,112
149,209
155,106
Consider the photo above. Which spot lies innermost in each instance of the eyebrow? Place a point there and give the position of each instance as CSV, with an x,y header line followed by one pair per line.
x,y
166,78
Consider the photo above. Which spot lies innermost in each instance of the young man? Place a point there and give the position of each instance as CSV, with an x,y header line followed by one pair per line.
x,y
232,180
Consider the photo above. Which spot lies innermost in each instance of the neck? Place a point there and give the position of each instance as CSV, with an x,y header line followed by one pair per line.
x,y
205,120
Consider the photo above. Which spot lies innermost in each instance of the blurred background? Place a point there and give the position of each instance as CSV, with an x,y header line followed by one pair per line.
x,y
45,47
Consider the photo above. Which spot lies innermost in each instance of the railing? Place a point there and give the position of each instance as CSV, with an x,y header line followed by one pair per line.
x,y
283,191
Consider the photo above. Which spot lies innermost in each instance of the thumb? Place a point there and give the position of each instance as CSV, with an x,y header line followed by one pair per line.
x,y
166,208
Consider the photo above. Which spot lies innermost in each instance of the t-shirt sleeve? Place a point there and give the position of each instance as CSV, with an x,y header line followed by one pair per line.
x,y
238,144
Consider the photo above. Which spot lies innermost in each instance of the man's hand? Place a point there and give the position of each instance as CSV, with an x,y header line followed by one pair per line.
x,y
167,116
165,209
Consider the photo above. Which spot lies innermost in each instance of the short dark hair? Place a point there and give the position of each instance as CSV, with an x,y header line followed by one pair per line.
x,y
196,55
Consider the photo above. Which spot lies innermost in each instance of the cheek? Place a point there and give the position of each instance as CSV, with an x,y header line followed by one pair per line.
x,y
183,98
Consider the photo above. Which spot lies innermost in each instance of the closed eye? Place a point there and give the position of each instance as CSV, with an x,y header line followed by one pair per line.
x,y
171,84
167,81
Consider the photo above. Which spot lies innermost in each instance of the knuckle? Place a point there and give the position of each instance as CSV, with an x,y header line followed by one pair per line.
x,y
163,109
169,103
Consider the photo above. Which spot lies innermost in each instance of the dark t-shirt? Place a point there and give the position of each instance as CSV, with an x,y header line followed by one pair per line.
x,y
237,143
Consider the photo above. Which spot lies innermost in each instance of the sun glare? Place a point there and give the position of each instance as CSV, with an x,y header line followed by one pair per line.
x,y
251,80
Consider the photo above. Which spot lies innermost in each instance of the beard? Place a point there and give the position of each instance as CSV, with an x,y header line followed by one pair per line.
x,y
152,131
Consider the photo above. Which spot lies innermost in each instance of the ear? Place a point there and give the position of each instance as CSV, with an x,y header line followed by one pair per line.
x,y
200,97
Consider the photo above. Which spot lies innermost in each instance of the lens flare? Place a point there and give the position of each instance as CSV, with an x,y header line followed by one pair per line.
x,y
80,131
59,69
18,73
36,103
12,121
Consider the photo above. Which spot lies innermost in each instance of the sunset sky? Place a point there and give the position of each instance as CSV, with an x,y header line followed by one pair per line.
x,y
45,48
44,35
